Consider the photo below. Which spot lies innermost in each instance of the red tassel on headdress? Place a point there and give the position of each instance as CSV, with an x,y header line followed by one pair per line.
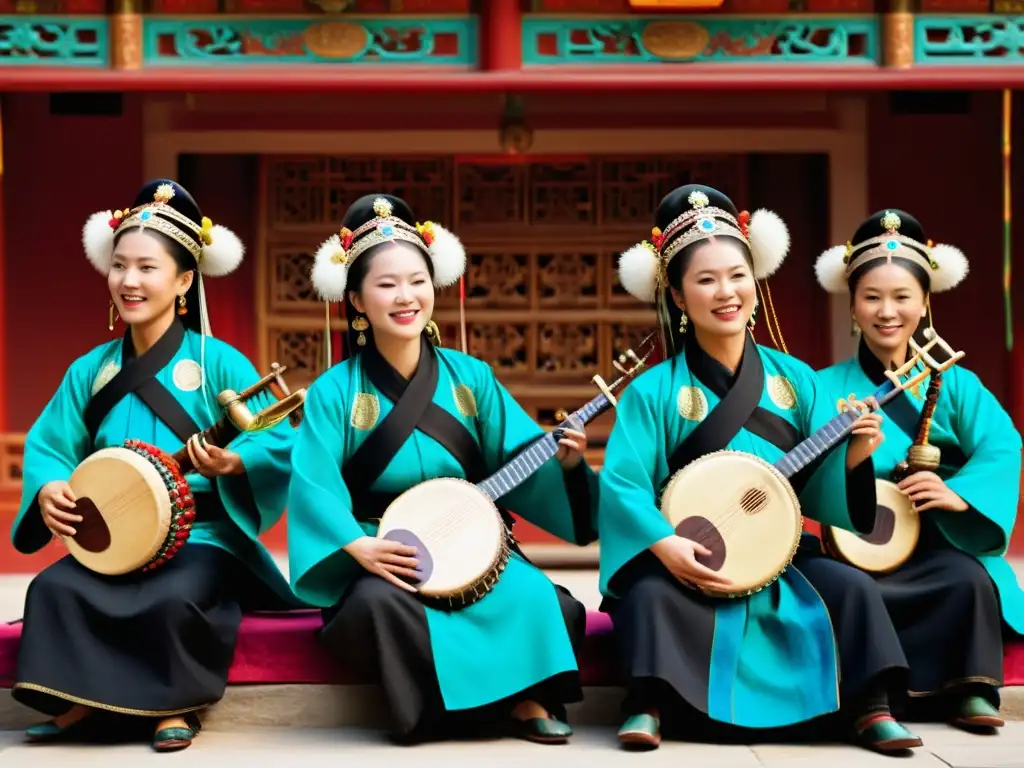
x,y
462,314
743,220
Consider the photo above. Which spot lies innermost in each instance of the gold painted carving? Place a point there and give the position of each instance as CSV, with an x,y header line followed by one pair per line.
x,y
365,411
126,34
336,39
898,37
675,39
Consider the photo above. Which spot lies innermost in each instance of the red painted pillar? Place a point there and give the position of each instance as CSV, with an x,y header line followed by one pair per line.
x,y
501,36
3,300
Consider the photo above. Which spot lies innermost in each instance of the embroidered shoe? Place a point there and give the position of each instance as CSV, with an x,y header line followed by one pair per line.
x,y
881,733
175,737
541,730
641,731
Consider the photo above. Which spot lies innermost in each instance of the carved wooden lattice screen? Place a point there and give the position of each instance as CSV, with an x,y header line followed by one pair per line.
x,y
544,306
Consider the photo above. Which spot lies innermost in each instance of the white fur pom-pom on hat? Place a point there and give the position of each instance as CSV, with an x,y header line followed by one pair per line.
x,y
769,242
638,271
329,276
953,267
98,240
224,252
830,269
447,255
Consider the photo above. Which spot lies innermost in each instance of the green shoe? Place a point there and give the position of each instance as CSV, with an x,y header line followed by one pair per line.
x,y
49,731
541,730
885,735
977,712
641,731
175,738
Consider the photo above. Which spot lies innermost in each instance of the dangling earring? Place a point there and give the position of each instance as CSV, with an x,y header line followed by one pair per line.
x,y
110,316
855,329
751,322
433,333
182,309
683,320
360,324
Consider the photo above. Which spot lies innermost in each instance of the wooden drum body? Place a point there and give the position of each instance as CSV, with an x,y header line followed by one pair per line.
x,y
137,510
461,539
742,509
892,539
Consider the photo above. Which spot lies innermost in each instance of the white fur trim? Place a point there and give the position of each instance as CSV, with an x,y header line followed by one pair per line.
x,y
953,267
224,253
448,257
98,240
328,277
638,272
769,242
831,271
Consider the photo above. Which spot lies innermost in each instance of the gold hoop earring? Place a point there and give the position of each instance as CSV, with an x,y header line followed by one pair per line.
x,y
110,316
360,324
683,320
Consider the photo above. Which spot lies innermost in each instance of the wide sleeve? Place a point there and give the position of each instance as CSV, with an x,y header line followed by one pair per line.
x,y
990,480
320,518
828,492
562,503
629,519
55,445
255,499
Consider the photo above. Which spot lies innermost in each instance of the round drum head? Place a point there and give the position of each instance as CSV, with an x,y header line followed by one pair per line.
x,y
126,511
742,509
455,528
892,540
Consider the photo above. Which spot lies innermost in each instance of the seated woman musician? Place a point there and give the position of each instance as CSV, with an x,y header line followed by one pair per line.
x,y
157,643
398,412
956,583
790,651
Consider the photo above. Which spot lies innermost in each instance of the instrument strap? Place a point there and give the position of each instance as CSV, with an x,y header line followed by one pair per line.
x,y
901,409
414,409
138,375
738,408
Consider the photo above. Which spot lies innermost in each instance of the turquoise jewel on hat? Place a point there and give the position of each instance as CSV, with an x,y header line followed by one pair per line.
x,y
891,245
706,224
387,230
145,215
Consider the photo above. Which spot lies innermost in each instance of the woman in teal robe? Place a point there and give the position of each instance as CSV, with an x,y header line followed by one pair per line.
x,y
397,412
808,642
957,584
155,644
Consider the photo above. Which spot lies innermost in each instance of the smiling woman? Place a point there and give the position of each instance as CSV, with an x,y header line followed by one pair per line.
x,y
397,412
81,650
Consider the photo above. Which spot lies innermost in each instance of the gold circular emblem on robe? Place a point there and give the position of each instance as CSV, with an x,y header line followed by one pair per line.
x,y
187,375
336,39
782,392
465,401
675,39
365,411
109,371
692,403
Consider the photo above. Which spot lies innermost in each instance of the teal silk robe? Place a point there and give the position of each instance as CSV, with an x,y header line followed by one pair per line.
x,y
59,441
773,655
513,637
968,420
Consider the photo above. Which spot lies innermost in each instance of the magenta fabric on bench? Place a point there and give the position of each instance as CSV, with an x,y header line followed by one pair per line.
x,y
282,648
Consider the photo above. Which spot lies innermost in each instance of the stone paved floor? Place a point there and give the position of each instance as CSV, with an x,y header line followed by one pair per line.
x,y
592,748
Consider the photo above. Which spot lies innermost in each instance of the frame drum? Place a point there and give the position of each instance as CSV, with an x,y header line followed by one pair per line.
x,y
742,509
892,540
459,534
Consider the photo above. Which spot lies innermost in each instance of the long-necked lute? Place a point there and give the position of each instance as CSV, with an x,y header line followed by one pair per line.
x,y
462,542
745,510
137,507
897,527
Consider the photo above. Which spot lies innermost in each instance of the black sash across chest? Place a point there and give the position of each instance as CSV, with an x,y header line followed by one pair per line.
x,y
138,375
414,408
737,409
901,410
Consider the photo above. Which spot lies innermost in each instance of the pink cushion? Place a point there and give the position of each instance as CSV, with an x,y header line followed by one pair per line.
x,y
283,648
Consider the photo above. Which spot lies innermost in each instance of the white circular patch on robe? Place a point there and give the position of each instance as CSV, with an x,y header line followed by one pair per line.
x,y
187,376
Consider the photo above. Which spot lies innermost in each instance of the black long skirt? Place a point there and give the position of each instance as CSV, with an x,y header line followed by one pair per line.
x,y
664,632
383,629
144,644
946,610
